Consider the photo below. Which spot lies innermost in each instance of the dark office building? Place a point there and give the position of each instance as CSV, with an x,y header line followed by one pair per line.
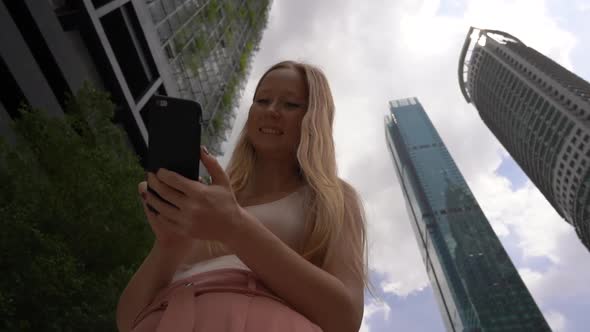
x,y
474,281
194,49
539,111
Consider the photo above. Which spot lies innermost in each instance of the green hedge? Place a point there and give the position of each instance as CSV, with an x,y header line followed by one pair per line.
x,y
73,230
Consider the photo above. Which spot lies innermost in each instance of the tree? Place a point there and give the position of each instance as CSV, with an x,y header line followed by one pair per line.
x,y
73,231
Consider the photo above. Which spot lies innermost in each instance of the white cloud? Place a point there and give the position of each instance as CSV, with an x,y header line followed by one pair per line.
x,y
583,5
567,279
557,321
525,212
529,276
539,232
374,51
371,309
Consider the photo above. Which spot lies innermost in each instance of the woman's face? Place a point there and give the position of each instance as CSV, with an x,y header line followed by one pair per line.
x,y
274,120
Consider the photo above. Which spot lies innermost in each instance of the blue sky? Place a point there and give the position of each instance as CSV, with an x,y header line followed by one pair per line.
x,y
379,50
416,312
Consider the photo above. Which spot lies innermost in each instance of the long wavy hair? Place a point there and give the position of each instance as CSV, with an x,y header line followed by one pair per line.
x,y
334,206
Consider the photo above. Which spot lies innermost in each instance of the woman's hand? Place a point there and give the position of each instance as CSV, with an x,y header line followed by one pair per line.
x,y
196,210
168,241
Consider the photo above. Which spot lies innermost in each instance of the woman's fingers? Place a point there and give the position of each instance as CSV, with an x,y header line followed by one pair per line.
x,y
168,193
176,181
164,225
143,194
168,210
142,187
156,219
218,175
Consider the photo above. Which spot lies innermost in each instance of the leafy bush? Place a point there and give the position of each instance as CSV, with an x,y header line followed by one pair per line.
x,y
73,231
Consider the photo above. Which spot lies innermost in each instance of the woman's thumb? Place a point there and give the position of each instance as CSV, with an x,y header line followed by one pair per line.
x,y
213,168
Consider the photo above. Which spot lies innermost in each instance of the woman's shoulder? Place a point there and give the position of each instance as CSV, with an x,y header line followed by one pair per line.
x,y
348,190
352,201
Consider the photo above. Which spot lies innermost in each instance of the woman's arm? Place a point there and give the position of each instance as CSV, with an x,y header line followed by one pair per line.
x,y
154,274
157,269
332,299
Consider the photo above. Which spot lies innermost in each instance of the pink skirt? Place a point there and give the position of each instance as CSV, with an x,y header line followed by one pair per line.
x,y
226,300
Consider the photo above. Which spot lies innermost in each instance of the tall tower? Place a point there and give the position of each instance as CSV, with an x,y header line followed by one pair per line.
x,y
539,111
475,283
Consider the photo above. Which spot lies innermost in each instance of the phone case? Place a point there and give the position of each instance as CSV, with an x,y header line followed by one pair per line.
x,y
174,136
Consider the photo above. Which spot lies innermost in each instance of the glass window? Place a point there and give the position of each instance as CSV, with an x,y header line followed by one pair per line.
x,y
539,102
164,31
174,21
168,6
157,11
528,95
183,14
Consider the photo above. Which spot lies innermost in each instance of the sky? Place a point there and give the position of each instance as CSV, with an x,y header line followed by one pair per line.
x,y
379,50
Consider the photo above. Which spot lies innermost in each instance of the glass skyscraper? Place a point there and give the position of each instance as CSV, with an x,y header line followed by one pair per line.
x,y
539,111
474,281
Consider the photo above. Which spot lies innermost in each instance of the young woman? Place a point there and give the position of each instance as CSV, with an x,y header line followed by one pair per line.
x,y
275,244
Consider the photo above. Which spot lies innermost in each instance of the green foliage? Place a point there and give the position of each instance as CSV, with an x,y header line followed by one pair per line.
x,y
199,49
73,230
217,122
252,16
201,43
227,98
243,62
228,36
211,11
229,7
182,37
194,63
246,55
195,23
243,12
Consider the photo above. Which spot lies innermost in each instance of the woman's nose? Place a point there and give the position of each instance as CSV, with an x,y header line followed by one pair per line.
x,y
273,107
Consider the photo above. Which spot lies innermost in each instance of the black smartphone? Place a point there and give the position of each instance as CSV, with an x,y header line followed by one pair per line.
x,y
174,136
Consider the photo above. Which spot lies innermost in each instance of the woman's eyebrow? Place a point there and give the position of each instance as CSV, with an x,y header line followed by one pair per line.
x,y
293,94
290,93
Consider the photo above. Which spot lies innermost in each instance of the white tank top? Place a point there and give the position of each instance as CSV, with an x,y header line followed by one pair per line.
x,y
284,217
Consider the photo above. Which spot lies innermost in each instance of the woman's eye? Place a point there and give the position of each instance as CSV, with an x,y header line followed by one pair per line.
x,y
262,101
293,105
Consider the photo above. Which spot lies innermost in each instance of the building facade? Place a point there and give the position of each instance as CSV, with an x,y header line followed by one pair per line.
x,y
208,45
474,281
539,111
194,49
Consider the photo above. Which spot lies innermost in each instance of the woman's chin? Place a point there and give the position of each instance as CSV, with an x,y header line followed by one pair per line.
x,y
266,147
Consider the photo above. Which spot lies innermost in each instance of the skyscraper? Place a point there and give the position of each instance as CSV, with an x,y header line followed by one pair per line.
x,y
475,283
192,49
539,111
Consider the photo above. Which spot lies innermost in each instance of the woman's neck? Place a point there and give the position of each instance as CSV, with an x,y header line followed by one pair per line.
x,y
274,175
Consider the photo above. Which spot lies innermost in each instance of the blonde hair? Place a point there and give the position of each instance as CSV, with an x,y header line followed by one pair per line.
x,y
335,208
